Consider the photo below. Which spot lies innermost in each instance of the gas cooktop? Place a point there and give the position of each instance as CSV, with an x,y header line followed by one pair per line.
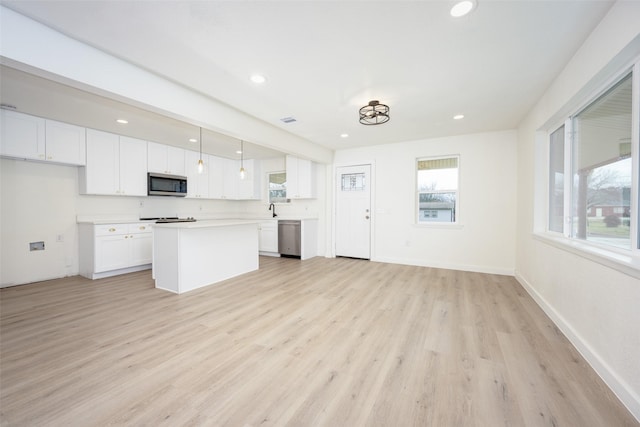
x,y
165,220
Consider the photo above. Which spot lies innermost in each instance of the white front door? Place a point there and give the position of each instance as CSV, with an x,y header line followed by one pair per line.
x,y
353,211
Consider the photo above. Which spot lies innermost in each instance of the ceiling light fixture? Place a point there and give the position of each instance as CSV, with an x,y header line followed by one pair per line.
x,y
462,8
193,140
258,79
200,162
122,121
344,135
458,117
374,113
242,171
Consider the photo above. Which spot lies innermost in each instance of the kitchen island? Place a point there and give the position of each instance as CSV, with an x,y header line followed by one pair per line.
x,y
190,255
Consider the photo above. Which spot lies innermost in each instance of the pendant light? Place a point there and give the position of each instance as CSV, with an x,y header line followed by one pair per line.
x,y
242,172
200,162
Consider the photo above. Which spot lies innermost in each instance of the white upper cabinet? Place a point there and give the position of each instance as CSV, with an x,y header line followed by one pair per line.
x,y
197,183
216,177
23,136
116,165
235,188
133,167
301,178
65,143
249,187
34,138
166,159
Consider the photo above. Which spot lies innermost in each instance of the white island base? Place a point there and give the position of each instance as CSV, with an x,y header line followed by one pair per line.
x,y
190,255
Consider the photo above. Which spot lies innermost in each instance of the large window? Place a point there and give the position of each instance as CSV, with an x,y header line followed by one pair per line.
x,y
437,189
600,187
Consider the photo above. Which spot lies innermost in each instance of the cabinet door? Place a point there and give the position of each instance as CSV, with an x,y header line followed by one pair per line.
x,y
112,252
157,158
250,187
231,178
133,167
216,177
175,160
292,177
306,179
197,183
102,172
23,136
300,178
141,246
268,237
65,143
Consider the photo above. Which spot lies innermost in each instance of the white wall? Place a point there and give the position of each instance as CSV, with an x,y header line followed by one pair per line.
x,y
597,307
484,242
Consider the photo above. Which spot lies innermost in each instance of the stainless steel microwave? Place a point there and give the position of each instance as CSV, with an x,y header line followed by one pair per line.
x,y
159,184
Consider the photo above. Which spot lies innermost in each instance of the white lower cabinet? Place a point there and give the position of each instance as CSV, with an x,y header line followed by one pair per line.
x,y
111,249
268,237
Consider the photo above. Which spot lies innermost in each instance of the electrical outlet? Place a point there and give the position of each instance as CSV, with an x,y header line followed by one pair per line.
x,y
60,238
141,203
36,246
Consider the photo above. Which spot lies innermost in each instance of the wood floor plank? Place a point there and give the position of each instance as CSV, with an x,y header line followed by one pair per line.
x,y
325,342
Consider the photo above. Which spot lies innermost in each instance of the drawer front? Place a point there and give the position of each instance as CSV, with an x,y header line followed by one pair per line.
x,y
111,229
141,227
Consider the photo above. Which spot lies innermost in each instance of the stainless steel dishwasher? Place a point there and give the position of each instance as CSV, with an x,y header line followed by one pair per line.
x,y
289,238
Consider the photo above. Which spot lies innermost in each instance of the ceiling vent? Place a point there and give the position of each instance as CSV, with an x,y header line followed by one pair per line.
x,y
288,119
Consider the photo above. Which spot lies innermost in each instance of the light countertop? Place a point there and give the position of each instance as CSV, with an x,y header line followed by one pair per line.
x,y
206,223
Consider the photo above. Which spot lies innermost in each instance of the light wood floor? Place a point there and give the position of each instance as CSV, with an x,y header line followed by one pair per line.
x,y
322,342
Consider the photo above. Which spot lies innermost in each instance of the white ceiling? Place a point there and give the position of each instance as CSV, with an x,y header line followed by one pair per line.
x,y
323,60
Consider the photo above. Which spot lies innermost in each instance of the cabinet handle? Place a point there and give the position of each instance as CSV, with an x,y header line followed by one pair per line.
x,y
111,230
126,237
50,157
142,227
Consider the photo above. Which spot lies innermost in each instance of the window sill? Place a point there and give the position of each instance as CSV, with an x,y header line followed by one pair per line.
x,y
441,225
627,264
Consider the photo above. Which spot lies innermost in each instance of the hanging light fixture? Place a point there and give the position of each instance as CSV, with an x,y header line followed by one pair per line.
x,y
374,113
200,162
242,171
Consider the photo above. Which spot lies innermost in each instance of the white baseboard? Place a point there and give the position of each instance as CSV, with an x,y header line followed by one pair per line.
x,y
619,387
447,266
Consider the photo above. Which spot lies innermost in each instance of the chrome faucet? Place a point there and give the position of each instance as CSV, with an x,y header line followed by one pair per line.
x,y
274,209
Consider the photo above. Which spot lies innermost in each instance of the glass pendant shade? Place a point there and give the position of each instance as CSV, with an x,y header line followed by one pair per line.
x,y
243,174
200,162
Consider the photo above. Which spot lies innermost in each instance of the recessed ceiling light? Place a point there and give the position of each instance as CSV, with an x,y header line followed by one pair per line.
x,y
258,79
193,140
344,135
122,121
239,152
458,117
462,8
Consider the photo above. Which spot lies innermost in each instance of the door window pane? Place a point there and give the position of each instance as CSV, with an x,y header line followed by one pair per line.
x,y
601,196
353,182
